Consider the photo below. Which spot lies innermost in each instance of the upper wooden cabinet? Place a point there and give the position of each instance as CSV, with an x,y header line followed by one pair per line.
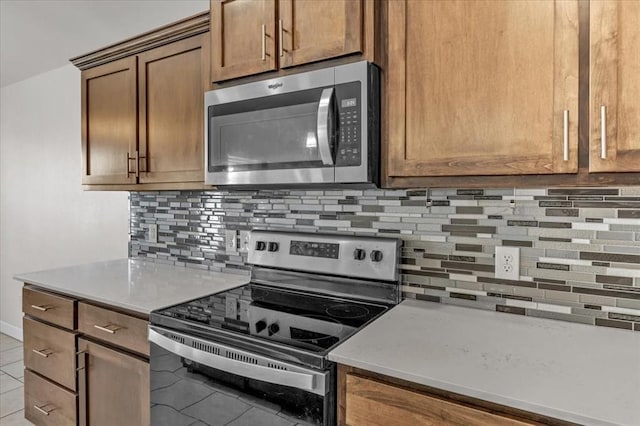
x,y
254,36
109,122
615,86
243,37
142,109
313,30
482,88
172,80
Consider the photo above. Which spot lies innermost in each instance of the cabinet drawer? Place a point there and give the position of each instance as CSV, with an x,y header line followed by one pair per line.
x,y
113,327
49,307
46,403
50,351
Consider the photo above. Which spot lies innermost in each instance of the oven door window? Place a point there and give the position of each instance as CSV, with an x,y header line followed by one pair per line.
x,y
185,392
286,131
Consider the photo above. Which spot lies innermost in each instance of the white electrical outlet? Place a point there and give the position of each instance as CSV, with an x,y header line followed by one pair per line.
x,y
508,263
153,233
244,241
231,241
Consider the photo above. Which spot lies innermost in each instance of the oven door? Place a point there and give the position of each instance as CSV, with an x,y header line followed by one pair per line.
x,y
279,131
195,380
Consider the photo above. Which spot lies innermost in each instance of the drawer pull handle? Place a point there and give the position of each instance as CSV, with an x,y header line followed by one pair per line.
x,y
43,308
43,410
109,328
43,353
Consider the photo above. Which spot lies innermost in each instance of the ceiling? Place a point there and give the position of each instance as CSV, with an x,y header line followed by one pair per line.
x,y
37,36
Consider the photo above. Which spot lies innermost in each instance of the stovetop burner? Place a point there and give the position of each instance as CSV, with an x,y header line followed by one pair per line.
x,y
347,311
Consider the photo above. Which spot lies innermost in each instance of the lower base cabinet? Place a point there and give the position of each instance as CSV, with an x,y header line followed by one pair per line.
x,y
372,399
113,386
84,364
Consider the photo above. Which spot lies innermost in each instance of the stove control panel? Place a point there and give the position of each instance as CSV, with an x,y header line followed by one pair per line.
x,y
314,249
348,255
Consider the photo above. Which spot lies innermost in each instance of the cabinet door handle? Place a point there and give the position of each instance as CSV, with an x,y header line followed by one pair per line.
x,y
281,30
603,132
129,172
45,411
264,42
43,308
109,328
565,136
43,352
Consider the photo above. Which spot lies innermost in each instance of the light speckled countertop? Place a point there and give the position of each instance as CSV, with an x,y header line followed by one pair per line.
x,y
133,284
569,371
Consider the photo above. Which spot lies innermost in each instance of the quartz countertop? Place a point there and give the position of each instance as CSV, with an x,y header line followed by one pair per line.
x,y
574,372
133,284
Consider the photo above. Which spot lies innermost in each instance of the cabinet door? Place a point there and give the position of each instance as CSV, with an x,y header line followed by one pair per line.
x,y
369,402
113,387
481,88
310,31
242,37
109,122
172,81
615,86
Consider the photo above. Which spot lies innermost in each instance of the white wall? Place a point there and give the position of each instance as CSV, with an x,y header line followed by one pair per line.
x,y
46,219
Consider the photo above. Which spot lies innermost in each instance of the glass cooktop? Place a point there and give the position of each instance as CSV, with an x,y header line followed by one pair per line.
x,y
292,318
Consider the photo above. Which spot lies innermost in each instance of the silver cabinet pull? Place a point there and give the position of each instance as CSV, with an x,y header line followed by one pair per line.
x,y
43,308
109,328
565,146
45,411
45,353
281,30
264,42
603,132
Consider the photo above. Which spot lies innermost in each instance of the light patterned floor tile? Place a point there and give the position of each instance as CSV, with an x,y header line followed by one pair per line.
x,y
10,356
8,383
11,401
15,370
15,419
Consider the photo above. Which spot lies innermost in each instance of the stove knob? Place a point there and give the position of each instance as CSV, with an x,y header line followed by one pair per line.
x,y
273,247
273,329
260,325
376,255
359,254
261,245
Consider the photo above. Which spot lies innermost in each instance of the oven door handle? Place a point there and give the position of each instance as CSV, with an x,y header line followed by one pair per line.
x,y
252,371
323,130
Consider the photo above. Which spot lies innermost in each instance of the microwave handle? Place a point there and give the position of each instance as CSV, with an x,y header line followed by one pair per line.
x,y
324,144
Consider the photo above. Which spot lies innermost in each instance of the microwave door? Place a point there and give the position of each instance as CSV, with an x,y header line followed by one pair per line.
x,y
280,139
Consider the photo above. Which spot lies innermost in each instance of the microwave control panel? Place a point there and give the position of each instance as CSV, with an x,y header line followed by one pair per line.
x,y
349,149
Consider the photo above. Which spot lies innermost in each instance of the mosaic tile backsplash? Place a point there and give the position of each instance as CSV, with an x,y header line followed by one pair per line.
x,y
579,248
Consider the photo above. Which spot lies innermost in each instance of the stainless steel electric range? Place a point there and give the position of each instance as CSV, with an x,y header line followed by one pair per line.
x,y
257,354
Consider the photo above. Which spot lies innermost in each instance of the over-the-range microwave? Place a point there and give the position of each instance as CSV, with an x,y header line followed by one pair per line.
x,y
317,128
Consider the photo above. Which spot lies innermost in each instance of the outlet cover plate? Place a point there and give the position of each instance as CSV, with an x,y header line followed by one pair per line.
x,y
231,241
244,241
153,233
508,263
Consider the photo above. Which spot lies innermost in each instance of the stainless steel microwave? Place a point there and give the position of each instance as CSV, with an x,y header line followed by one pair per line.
x,y
315,128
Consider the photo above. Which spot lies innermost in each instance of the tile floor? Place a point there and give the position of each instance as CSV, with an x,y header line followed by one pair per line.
x,y
11,387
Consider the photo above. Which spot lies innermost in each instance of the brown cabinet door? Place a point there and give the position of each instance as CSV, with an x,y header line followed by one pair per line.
x,y
369,402
113,387
172,81
481,88
310,31
615,86
243,34
109,123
